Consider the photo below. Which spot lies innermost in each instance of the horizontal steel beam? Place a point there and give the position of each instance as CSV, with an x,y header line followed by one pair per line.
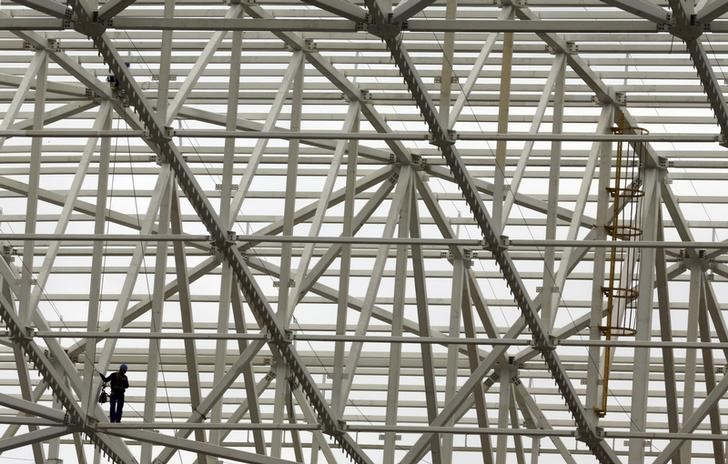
x,y
435,242
340,135
377,339
458,430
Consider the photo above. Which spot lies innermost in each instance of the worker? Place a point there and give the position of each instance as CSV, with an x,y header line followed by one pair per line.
x,y
119,383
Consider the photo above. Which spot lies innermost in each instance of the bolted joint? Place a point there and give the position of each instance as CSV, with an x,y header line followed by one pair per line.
x,y
89,425
441,138
685,31
309,46
419,162
544,343
386,31
90,26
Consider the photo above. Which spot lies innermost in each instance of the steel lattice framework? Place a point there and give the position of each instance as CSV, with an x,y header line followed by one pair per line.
x,y
363,230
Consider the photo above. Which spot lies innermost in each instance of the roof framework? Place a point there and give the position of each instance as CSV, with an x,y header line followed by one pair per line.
x,y
332,230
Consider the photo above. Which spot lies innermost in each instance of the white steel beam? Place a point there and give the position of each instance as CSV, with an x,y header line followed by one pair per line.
x,y
663,300
37,436
400,286
318,219
344,271
48,7
711,11
691,423
158,302
147,436
113,8
549,304
504,99
343,8
653,178
295,65
709,372
408,8
376,277
283,312
642,8
202,61
444,141
424,329
475,72
604,153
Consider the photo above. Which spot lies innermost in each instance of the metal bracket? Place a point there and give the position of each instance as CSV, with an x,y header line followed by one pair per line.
x,y
386,31
453,79
549,344
419,162
232,187
516,3
88,26
309,46
570,49
620,98
291,283
554,289
448,138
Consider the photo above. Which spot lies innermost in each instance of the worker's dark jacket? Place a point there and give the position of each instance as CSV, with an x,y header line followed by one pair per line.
x,y
118,383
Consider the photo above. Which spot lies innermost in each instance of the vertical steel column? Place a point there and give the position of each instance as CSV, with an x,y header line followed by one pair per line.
x,y
474,73
503,110
97,264
549,303
593,367
506,373
453,351
164,64
527,149
226,276
185,307
248,374
294,294
446,73
709,371
481,409
31,210
423,321
281,370
653,177
293,66
696,284
137,259
71,196
31,213
451,375
395,357
23,375
668,357
11,112
344,270
376,277
155,352
517,439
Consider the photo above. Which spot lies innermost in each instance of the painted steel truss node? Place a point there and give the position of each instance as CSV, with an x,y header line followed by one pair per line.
x,y
360,230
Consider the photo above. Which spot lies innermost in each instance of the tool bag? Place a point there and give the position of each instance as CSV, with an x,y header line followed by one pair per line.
x,y
103,396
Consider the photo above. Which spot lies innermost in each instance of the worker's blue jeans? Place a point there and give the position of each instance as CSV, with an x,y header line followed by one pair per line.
x,y
117,404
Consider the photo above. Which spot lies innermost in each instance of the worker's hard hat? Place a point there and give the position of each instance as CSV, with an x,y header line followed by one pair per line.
x,y
123,367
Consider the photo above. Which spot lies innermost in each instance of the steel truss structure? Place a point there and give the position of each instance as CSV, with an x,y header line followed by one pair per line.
x,y
367,231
